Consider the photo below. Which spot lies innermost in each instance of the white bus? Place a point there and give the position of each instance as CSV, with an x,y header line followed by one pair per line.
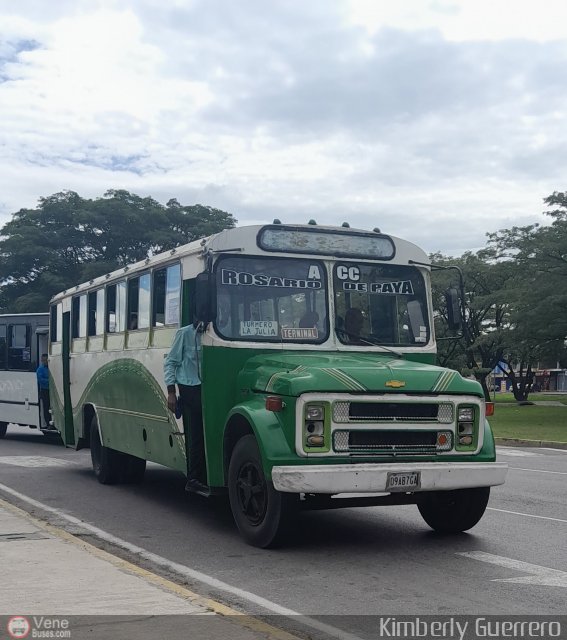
x,y
23,339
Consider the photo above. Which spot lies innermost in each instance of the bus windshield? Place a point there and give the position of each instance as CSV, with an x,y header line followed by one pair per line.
x,y
271,299
380,305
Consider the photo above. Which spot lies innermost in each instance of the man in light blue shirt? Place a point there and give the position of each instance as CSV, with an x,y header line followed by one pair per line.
x,y
182,367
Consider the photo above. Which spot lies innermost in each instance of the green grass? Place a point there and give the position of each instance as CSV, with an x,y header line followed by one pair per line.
x,y
533,397
530,422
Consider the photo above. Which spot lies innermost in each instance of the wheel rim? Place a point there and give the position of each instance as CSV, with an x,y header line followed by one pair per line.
x,y
251,492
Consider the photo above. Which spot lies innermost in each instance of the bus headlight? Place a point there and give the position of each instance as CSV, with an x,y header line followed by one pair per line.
x,y
314,425
466,414
314,413
466,418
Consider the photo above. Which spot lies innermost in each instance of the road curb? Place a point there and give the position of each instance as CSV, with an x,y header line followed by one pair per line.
x,y
520,442
249,622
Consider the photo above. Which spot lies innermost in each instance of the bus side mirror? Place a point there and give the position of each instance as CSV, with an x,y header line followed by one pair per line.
x,y
454,315
205,297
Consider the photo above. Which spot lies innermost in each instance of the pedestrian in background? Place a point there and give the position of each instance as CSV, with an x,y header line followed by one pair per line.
x,y
42,373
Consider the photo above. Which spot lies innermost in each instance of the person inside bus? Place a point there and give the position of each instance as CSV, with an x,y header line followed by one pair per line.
x,y
42,373
353,326
182,368
309,320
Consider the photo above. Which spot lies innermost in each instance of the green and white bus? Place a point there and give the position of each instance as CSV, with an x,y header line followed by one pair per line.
x,y
319,384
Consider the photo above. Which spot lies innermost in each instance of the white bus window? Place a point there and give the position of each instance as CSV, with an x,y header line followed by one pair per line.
x,y
166,295
79,317
96,313
139,302
19,347
116,307
2,346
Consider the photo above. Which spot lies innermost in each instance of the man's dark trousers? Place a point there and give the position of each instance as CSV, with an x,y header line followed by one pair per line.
x,y
194,444
44,397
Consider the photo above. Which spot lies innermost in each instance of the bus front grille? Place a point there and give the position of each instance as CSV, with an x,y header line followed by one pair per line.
x,y
385,442
415,412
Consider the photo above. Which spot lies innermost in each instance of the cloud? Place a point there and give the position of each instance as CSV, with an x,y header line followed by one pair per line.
x,y
384,116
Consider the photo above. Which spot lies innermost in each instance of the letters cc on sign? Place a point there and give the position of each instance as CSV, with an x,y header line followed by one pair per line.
x,y
348,273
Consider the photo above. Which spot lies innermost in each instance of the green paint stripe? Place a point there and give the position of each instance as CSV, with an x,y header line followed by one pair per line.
x,y
345,380
448,381
438,381
275,377
332,374
355,382
444,381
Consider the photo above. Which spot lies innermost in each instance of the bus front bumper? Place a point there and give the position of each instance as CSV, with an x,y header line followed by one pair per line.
x,y
387,478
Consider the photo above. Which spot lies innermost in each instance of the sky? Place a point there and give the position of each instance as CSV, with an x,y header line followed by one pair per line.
x,y
434,120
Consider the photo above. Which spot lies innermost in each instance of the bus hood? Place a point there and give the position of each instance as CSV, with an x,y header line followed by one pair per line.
x,y
291,374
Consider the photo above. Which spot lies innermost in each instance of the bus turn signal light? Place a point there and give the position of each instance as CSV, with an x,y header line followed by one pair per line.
x,y
490,408
273,403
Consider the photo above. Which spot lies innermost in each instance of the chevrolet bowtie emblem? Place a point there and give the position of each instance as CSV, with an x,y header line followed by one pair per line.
x,y
395,384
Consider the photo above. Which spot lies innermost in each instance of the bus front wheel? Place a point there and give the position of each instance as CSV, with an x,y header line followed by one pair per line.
x,y
105,461
3,428
261,513
454,511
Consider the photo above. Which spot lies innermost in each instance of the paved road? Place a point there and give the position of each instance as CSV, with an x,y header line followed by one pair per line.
x,y
381,560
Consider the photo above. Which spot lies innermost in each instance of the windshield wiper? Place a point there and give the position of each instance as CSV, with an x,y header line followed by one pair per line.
x,y
367,340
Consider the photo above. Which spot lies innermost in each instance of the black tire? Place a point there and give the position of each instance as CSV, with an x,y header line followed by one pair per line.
x,y
453,511
133,468
262,514
52,434
106,462
3,428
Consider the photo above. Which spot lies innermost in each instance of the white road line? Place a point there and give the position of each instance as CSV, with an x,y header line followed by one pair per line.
x,y
517,513
537,574
180,569
516,453
560,473
556,450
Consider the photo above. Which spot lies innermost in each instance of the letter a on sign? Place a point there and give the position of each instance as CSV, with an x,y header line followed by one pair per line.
x,y
314,273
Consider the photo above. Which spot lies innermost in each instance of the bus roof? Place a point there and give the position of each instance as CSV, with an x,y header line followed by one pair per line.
x,y
245,239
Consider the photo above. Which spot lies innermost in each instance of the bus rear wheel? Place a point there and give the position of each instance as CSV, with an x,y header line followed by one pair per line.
x,y
261,513
454,511
106,464
3,428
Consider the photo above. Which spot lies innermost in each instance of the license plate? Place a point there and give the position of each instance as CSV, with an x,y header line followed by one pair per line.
x,y
403,481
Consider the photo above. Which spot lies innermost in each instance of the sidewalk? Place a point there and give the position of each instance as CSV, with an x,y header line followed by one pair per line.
x,y
48,572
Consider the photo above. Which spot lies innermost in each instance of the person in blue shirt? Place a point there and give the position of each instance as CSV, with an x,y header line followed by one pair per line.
x,y
42,373
182,368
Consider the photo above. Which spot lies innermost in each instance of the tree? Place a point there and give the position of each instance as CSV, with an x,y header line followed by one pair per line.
x,y
68,239
537,295
481,346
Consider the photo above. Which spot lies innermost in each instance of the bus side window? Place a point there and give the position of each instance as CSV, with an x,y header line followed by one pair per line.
x,y
139,302
116,307
2,346
96,313
53,323
19,347
79,317
165,296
